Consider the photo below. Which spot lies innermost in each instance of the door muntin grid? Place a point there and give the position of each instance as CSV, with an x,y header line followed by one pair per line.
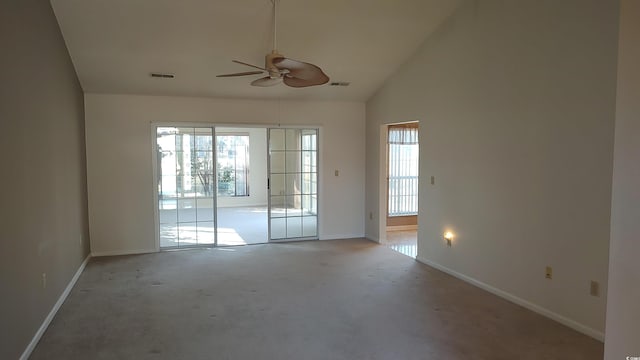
x,y
185,177
293,190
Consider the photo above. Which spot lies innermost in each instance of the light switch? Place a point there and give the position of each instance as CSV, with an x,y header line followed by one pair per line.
x,y
337,173
433,180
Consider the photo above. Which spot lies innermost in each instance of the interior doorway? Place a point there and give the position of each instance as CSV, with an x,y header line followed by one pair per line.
x,y
402,186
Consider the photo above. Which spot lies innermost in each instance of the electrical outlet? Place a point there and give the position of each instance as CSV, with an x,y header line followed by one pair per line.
x,y
548,273
595,288
44,280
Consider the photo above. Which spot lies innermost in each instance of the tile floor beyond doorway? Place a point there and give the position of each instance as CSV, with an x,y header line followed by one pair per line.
x,y
403,241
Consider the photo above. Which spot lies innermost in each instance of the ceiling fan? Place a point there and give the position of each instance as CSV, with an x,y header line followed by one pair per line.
x,y
280,69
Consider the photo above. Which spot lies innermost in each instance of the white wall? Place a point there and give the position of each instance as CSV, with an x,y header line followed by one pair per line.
x,y
516,105
257,169
623,303
119,153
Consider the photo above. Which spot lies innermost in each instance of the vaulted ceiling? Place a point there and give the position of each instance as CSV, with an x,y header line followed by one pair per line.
x,y
116,44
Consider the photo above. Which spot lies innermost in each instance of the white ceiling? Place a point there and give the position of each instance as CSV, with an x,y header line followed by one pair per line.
x,y
116,44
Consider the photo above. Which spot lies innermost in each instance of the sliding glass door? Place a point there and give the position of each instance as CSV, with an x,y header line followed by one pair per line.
x,y
185,186
241,211
293,190
212,192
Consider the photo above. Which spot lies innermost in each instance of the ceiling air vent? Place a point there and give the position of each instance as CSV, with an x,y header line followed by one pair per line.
x,y
339,83
162,76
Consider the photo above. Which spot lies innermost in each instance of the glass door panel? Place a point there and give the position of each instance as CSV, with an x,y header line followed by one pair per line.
x,y
185,186
293,187
242,198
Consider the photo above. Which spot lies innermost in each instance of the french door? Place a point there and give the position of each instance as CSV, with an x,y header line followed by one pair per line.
x,y
191,181
293,190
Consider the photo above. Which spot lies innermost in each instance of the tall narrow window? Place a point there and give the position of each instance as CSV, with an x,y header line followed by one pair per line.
x,y
233,164
403,170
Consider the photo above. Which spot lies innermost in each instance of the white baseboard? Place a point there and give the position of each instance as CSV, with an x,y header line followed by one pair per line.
x,y
126,252
598,335
402,227
45,324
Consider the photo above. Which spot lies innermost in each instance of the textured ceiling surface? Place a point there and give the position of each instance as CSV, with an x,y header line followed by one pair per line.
x,y
116,44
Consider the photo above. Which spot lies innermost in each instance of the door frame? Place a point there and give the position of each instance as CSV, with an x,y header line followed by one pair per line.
x,y
383,190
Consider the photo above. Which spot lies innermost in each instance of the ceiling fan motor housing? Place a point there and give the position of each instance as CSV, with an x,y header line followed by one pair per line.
x,y
274,72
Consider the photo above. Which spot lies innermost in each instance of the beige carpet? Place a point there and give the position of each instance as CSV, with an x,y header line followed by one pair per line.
x,y
343,299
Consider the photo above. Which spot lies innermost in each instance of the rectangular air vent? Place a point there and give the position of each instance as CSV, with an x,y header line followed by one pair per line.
x,y
339,83
163,76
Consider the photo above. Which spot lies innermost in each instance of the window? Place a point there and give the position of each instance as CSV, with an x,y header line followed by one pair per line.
x,y
233,164
403,170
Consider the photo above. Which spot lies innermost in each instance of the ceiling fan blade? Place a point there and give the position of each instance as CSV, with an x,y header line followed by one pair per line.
x,y
253,66
241,74
266,81
301,70
297,83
